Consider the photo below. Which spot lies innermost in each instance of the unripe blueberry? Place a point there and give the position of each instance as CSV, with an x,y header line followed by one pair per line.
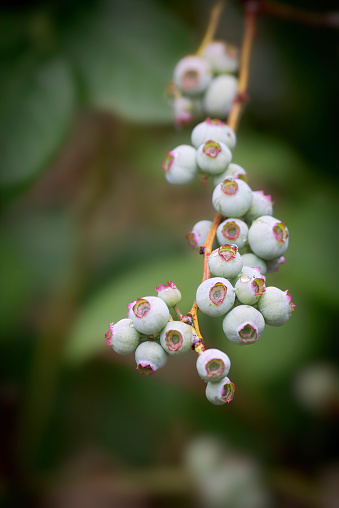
x,y
222,57
225,261
192,74
150,357
268,237
232,231
213,129
233,170
183,111
149,314
176,337
249,271
215,296
232,198
243,325
213,365
276,306
219,95
273,266
170,294
213,157
220,392
261,205
253,261
123,336
197,237
180,165
248,290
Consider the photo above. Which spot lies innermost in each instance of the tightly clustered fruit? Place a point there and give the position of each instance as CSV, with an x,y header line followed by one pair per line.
x,y
206,84
252,243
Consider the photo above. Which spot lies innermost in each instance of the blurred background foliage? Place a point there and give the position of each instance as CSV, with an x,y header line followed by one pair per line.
x,y
89,224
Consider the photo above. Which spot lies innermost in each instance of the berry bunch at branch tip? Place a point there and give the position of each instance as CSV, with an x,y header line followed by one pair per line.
x,y
205,84
252,243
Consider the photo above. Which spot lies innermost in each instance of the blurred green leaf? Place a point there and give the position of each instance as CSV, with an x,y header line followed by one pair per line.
x,y
110,304
37,103
125,53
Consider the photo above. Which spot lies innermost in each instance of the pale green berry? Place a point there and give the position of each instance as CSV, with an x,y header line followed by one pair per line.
x,y
176,337
273,266
213,129
268,237
150,357
276,306
192,74
233,170
252,260
249,271
261,205
213,157
149,314
215,296
220,392
232,231
183,111
197,237
123,336
222,57
225,261
213,365
248,290
170,294
243,325
219,95
232,198
180,165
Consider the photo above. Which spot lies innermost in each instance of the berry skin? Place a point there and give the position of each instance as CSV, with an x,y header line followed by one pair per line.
x,y
253,261
273,266
232,198
261,205
192,75
180,165
197,237
215,296
123,337
150,357
268,237
225,261
248,290
249,271
149,314
222,57
219,95
276,306
232,231
220,392
176,337
170,294
213,129
243,325
213,365
213,157
183,111
233,170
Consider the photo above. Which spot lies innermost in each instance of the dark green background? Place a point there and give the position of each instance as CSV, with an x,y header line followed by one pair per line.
x,y
89,224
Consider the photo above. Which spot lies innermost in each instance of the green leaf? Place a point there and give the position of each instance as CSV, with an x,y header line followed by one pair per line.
x,y
36,109
126,58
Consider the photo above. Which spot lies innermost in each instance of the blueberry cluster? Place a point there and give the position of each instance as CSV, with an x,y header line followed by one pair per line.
x,y
205,85
251,244
150,331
